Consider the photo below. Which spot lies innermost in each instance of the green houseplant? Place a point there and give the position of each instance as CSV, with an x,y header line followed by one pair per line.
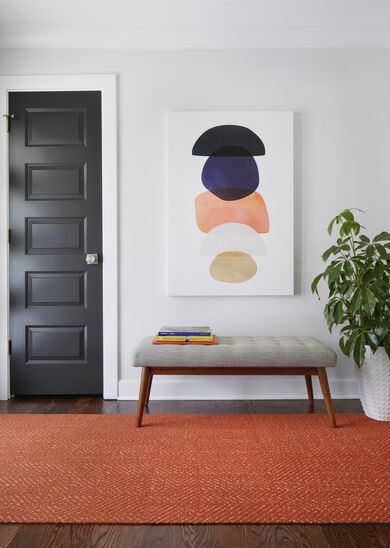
x,y
357,274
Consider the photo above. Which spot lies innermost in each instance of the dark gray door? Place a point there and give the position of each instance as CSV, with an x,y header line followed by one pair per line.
x,y
55,220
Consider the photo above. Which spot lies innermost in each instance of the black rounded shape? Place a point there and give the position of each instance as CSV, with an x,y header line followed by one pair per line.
x,y
231,151
228,140
230,194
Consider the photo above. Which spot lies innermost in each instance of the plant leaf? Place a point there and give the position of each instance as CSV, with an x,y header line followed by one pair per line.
x,y
356,301
348,215
350,290
348,268
328,253
382,237
368,277
315,282
370,250
330,227
343,347
345,247
359,350
350,342
372,341
346,228
334,272
369,300
338,312
381,331
328,313
382,251
379,269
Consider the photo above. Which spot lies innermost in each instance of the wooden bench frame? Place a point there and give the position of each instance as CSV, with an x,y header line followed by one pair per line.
x,y
149,372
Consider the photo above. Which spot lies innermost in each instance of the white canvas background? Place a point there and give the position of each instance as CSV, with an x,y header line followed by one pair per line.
x,y
188,270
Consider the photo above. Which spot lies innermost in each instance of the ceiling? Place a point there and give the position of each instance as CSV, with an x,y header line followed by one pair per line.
x,y
199,24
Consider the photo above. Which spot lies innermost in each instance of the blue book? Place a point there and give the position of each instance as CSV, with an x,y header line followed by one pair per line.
x,y
184,331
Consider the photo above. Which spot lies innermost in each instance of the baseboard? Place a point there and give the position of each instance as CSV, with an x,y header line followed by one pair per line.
x,y
235,388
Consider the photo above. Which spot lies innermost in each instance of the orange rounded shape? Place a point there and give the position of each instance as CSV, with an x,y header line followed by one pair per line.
x,y
212,211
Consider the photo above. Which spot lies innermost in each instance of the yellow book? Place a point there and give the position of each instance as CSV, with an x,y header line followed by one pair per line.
x,y
184,338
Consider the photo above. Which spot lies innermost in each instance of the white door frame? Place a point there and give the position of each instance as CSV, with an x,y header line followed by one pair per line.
x,y
106,83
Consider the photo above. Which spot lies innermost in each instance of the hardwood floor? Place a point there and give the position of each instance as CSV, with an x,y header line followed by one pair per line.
x,y
186,536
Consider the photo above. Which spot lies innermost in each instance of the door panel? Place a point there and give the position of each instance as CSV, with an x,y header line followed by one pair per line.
x,y
55,219
55,344
55,126
55,289
55,235
55,182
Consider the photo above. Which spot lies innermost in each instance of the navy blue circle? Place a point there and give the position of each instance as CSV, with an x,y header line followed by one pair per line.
x,y
231,177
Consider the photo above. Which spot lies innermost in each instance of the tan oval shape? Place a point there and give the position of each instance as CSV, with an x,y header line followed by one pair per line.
x,y
233,267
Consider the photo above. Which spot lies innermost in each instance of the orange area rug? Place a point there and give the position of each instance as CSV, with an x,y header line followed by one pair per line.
x,y
194,469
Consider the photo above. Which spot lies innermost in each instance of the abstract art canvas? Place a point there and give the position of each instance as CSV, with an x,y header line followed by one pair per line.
x,y
231,203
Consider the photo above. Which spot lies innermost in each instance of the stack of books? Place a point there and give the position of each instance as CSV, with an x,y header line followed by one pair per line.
x,y
185,335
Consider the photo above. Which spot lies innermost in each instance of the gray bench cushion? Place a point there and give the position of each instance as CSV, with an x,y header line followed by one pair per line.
x,y
238,352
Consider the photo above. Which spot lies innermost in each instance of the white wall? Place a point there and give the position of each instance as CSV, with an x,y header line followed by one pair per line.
x,y
342,143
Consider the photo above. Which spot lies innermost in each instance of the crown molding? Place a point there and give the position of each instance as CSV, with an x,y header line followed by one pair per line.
x,y
194,24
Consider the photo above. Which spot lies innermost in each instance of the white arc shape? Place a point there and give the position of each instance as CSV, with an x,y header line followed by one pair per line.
x,y
232,237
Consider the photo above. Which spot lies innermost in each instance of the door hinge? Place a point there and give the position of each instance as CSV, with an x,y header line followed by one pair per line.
x,y
9,118
9,348
9,236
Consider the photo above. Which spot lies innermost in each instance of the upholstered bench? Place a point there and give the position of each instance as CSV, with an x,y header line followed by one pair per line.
x,y
238,356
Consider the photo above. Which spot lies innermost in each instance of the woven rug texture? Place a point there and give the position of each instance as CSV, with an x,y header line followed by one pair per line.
x,y
194,469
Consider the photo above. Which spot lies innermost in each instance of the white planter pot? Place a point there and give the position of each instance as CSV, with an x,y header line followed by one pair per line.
x,y
374,384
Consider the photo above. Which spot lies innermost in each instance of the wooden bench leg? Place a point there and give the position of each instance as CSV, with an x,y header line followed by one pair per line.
x,y
143,390
309,386
326,393
149,388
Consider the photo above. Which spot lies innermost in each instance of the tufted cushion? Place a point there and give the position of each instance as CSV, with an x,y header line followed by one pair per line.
x,y
238,352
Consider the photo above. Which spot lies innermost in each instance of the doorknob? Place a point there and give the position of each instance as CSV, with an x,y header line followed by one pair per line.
x,y
92,258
